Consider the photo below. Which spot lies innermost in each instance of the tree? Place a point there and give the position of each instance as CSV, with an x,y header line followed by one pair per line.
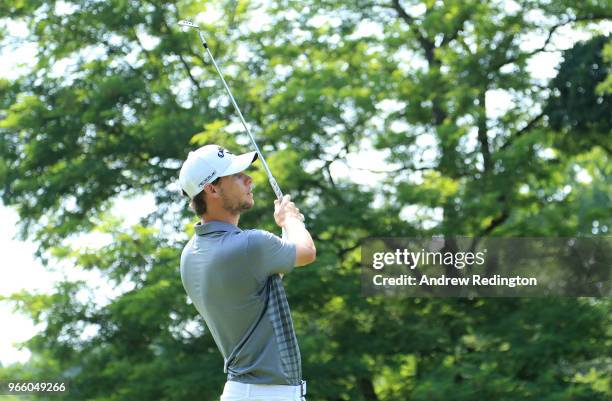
x,y
576,107
317,88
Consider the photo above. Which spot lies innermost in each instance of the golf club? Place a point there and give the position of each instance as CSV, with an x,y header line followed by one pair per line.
x,y
271,179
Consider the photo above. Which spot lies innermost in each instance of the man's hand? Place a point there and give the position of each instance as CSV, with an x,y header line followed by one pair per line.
x,y
285,211
289,218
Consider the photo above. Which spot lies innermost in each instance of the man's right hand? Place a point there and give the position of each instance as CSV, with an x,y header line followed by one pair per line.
x,y
285,211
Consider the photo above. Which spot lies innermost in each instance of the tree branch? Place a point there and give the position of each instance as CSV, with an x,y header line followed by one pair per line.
x,y
496,222
191,77
342,252
402,13
551,32
329,174
523,130
367,389
455,33
482,132
427,45
397,170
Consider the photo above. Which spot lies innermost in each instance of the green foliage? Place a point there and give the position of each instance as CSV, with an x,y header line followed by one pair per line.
x,y
120,94
576,107
606,86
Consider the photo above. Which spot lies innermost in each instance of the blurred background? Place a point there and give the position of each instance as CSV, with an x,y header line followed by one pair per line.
x,y
380,118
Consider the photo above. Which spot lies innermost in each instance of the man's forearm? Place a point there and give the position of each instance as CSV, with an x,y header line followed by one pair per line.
x,y
296,233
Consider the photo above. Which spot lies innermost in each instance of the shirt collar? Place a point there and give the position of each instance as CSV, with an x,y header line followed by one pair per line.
x,y
215,226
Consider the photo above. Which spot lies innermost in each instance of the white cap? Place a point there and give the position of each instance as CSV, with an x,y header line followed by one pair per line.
x,y
208,163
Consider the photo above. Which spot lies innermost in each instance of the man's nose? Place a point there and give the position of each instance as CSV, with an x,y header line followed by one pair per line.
x,y
248,179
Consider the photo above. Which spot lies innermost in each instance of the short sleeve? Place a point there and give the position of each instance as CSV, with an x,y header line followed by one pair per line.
x,y
269,254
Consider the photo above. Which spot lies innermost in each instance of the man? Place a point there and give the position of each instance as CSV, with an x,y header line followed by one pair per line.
x,y
233,277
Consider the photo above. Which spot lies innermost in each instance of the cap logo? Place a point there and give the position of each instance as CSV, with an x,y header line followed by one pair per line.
x,y
220,152
205,180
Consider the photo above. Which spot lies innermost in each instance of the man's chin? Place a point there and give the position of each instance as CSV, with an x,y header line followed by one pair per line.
x,y
248,204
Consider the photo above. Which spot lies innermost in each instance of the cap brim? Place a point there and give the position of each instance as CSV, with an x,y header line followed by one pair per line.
x,y
240,163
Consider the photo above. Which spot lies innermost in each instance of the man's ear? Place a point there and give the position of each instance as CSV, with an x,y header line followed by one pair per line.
x,y
211,190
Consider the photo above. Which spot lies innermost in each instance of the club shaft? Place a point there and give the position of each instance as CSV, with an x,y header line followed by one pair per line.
x,y
271,179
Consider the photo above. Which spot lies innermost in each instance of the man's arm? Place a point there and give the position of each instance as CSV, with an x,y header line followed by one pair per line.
x,y
289,218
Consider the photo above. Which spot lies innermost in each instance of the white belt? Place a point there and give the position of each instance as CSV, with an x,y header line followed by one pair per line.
x,y
250,390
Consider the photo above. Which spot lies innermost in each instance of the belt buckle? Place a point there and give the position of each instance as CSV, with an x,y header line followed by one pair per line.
x,y
302,388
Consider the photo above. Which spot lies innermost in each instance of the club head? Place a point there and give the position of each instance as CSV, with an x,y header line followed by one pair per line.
x,y
188,23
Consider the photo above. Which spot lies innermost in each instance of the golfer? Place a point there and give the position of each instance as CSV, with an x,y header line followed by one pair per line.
x,y
233,277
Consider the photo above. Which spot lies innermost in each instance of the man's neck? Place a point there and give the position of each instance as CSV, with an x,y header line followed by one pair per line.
x,y
224,217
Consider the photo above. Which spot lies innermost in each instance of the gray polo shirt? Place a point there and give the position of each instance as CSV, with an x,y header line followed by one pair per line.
x,y
232,278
